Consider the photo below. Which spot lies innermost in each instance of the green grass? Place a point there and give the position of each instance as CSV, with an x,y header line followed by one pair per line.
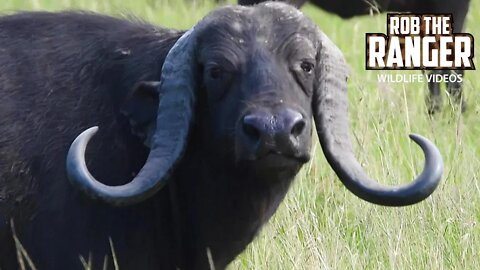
x,y
321,225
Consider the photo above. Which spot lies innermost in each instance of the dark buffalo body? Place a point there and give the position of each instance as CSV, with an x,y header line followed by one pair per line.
x,y
230,118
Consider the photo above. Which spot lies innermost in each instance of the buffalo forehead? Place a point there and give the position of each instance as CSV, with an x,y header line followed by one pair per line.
x,y
268,25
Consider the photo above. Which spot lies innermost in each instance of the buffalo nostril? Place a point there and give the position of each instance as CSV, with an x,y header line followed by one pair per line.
x,y
250,127
298,128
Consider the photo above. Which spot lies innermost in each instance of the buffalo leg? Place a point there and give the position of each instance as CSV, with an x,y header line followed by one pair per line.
x,y
454,89
434,98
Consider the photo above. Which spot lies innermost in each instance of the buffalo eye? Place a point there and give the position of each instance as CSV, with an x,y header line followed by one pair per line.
x,y
217,79
303,73
215,73
307,67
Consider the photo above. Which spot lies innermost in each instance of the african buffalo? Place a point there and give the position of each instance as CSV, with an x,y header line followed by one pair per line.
x,y
212,124
350,8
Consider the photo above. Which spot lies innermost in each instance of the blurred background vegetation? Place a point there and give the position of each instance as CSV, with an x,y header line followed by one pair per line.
x,y
321,225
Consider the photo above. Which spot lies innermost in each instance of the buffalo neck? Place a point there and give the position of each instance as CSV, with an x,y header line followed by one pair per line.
x,y
223,205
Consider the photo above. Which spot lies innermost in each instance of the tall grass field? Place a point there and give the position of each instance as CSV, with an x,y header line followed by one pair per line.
x,y
321,225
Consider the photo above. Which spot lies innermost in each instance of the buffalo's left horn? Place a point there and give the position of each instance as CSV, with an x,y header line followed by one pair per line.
x,y
330,106
175,113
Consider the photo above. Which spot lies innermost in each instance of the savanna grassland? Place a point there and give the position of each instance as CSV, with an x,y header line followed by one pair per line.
x,y
321,225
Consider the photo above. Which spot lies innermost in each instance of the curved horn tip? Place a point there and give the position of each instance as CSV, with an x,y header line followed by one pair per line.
x,y
430,149
88,133
419,139
433,163
82,140
75,157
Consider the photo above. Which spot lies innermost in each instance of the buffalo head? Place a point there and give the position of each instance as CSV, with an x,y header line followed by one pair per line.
x,y
260,74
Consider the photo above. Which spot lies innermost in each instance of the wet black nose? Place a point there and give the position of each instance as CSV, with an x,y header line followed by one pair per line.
x,y
274,132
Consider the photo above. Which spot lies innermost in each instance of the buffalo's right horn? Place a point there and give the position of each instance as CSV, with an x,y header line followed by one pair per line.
x,y
330,106
175,113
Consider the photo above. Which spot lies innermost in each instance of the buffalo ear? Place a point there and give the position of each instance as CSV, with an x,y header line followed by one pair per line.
x,y
141,107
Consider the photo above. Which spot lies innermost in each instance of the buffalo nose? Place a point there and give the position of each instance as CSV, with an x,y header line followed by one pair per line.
x,y
274,128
